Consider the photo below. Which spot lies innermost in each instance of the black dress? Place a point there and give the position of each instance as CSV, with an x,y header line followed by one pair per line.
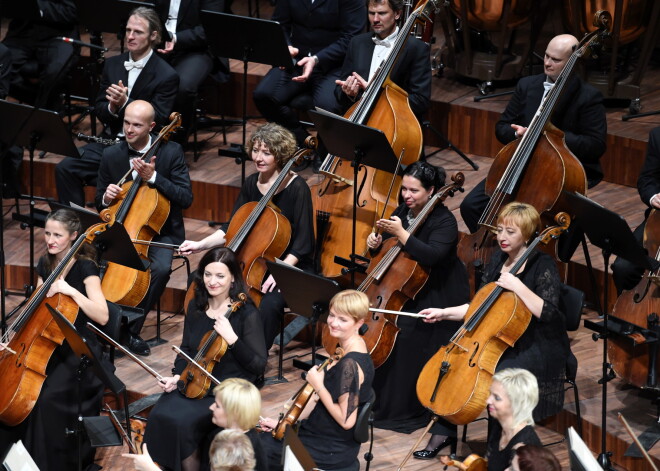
x,y
544,347
177,425
434,245
499,460
329,444
43,431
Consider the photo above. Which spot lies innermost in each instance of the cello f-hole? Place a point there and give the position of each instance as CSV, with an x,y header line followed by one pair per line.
x,y
379,302
364,180
471,364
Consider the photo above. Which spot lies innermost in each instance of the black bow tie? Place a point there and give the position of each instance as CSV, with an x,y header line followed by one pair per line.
x,y
134,153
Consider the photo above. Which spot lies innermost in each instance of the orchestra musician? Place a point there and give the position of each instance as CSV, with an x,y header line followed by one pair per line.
x,y
178,425
625,274
43,432
543,348
167,172
434,246
270,147
367,51
534,458
5,70
137,74
580,114
37,40
331,414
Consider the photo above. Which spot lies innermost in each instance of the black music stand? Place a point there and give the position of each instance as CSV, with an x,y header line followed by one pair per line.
x,y
107,16
311,302
249,40
610,232
362,145
116,246
87,358
294,454
87,218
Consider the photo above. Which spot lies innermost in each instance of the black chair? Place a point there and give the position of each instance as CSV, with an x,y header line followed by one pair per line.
x,y
117,327
363,431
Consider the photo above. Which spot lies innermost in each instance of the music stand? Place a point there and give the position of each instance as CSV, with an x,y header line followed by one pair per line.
x,y
249,40
311,302
107,16
364,146
87,358
611,233
295,456
86,217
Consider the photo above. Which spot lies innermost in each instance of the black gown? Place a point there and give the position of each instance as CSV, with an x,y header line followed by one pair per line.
x,y
329,444
434,245
43,431
544,347
499,460
177,425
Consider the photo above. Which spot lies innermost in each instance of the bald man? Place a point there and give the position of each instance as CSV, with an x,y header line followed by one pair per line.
x,y
579,113
167,172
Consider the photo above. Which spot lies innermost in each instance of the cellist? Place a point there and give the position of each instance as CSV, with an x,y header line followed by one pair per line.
x,y
167,172
434,246
43,431
543,348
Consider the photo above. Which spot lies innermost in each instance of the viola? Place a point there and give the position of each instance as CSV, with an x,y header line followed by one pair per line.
x,y
143,211
36,335
300,400
473,462
536,169
392,279
455,382
193,384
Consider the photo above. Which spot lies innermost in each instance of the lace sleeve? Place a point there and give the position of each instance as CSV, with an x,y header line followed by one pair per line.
x,y
347,377
547,288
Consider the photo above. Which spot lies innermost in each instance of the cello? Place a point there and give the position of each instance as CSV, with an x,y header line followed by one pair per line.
x,y
455,382
23,362
392,279
535,169
631,356
384,105
142,211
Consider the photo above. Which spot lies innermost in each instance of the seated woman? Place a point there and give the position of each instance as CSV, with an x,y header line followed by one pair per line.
x,y
331,414
543,348
43,431
270,147
433,246
177,425
513,395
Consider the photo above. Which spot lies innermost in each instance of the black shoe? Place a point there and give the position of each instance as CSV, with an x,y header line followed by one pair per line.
x,y
430,454
138,346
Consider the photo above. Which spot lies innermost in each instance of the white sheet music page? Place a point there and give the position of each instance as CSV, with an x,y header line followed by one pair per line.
x,y
18,459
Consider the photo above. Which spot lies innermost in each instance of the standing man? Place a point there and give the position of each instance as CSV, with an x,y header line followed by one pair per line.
x,y
580,114
367,51
138,74
167,172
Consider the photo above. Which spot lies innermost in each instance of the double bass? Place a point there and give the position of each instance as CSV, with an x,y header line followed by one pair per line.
x,y
384,105
535,169
455,382
392,279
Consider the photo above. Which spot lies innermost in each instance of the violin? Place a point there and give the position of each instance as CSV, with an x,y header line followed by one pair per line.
x,y
36,336
473,462
143,211
392,279
455,382
212,347
300,400
536,169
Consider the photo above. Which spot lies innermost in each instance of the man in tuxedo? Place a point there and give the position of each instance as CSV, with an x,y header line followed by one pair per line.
x,y
625,274
188,51
367,51
166,172
580,114
35,39
138,74
318,32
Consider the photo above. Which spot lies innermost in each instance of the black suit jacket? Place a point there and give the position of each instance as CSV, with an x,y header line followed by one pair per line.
x,y
158,83
323,28
580,114
189,30
59,19
412,71
172,180
648,183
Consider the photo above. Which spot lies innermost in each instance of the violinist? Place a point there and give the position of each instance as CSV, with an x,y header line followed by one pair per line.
x,y
270,147
543,348
534,458
433,245
44,430
580,114
167,172
331,414
177,425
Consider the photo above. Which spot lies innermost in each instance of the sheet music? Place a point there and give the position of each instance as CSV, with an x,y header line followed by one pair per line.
x,y
582,452
18,459
291,463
